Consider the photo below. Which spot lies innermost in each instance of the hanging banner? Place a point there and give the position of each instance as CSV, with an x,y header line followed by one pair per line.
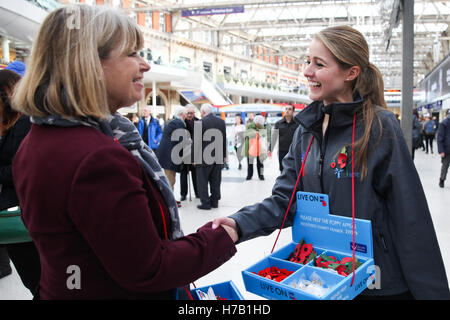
x,y
212,11
445,78
194,96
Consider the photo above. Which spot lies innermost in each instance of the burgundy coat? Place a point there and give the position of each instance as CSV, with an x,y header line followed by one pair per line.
x,y
87,202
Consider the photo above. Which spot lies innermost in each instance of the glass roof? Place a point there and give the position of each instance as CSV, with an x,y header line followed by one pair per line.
x,y
286,26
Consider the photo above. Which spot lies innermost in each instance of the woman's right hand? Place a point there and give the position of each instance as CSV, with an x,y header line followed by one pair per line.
x,y
231,232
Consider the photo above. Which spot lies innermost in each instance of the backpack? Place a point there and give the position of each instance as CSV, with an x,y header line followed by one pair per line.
x,y
429,127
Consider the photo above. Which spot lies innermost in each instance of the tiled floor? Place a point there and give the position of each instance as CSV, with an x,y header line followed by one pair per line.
x,y
236,193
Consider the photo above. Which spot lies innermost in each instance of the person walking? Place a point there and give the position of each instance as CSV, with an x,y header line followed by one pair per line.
x,y
443,142
149,129
285,129
422,134
93,196
212,154
429,131
188,167
174,141
348,120
436,123
416,133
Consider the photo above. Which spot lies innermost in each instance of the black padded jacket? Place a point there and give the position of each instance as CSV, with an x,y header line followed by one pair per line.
x,y
391,196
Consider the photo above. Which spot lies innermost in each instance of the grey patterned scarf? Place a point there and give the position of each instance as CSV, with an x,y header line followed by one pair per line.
x,y
126,133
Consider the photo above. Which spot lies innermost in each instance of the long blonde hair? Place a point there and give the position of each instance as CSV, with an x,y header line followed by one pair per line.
x,y
349,48
64,73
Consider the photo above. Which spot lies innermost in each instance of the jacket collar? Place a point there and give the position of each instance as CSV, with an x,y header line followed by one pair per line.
x,y
181,119
284,119
209,115
341,113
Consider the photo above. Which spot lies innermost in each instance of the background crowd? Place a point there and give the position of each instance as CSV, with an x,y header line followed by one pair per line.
x,y
252,138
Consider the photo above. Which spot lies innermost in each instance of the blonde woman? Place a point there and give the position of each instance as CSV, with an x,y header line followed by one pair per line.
x,y
93,196
348,119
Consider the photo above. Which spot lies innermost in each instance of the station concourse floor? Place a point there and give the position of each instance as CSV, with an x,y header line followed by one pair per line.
x,y
237,192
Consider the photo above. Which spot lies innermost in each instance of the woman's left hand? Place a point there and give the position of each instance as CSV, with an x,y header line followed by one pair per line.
x,y
225,221
229,225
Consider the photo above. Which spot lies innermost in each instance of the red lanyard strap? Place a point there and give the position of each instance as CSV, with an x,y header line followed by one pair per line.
x,y
167,238
293,192
302,172
353,195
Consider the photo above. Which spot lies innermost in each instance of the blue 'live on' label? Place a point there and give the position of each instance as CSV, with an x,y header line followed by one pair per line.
x,y
359,247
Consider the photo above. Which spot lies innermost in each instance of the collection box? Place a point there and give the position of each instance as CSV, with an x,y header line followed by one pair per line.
x,y
330,236
226,290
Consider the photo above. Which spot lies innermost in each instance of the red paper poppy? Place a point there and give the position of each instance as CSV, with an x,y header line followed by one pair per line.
x,y
346,259
307,248
341,270
342,160
306,251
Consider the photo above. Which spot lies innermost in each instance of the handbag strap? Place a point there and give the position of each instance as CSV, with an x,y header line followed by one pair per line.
x,y
257,144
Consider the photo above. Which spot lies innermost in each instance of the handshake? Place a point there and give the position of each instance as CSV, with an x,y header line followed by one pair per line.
x,y
229,225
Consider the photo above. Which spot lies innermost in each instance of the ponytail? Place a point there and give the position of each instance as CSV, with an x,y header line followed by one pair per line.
x,y
370,85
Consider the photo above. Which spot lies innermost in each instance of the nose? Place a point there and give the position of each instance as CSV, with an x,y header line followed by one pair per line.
x,y
307,72
144,66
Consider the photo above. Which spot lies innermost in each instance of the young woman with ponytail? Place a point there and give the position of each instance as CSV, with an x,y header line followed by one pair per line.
x,y
348,119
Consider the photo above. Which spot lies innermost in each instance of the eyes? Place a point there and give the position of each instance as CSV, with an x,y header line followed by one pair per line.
x,y
316,63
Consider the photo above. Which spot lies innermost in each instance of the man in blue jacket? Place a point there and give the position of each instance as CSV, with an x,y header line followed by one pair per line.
x,y
443,140
149,129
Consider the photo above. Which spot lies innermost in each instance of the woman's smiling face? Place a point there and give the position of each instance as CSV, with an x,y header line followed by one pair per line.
x,y
124,75
328,81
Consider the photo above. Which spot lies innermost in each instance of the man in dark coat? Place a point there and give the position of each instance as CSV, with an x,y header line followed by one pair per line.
x,y
170,150
184,174
285,129
443,140
209,157
416,133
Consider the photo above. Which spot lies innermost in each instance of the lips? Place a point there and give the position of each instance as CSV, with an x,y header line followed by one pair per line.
x,y
138,81
314,84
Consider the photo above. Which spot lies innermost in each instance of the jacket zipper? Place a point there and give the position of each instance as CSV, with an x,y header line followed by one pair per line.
x,y
321,164
322,145
323,148
321,158
383,242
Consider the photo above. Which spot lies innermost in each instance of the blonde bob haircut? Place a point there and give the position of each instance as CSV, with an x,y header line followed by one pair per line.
x,y
64,73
